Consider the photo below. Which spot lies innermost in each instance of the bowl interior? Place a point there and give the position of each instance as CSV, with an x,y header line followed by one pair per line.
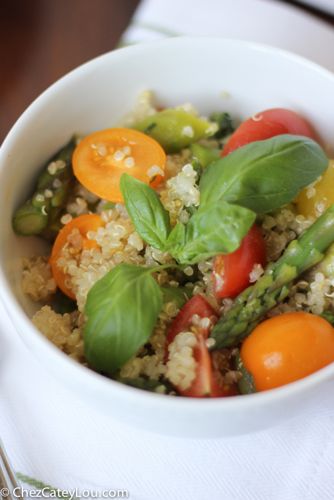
x,y
213,74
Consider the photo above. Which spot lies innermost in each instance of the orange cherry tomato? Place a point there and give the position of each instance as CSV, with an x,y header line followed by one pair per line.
x,y
84,223
286,348
231,272
266,124
101,158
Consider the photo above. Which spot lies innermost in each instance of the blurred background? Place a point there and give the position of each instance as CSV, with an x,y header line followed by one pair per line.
x,y
41,40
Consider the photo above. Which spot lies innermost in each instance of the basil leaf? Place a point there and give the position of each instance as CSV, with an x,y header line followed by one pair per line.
x,y
179,295
177,238
264,175
217,228
122,309
147,213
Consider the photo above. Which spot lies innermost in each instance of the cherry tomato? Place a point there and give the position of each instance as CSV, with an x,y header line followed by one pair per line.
x,y
84,224
286,348
266,124
101,158
196,305
205,383
314,200
231,272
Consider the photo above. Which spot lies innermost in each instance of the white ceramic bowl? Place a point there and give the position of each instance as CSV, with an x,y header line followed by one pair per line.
x,y
214,74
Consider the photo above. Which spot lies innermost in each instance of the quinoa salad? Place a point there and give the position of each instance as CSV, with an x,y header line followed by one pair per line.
x,y
189,256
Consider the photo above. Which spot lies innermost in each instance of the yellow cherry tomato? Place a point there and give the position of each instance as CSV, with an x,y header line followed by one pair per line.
x,y
101,158
315,199
286,348
84,224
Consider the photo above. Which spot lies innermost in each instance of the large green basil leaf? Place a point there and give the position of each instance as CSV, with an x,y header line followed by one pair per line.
x,y
216,228
147,213
264,175
122,309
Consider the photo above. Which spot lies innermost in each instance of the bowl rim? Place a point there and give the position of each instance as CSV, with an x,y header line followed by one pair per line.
x,y
88,376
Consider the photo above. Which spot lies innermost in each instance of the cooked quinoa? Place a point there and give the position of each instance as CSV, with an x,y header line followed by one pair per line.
x,y
171,364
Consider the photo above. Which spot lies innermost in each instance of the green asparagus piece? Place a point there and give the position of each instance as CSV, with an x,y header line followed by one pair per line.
x,y
176,129
204,155
273,287
42,212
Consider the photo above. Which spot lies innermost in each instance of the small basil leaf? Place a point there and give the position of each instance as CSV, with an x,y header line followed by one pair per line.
x,y
122,309
179,295
147,213
176,239
264,175
217,228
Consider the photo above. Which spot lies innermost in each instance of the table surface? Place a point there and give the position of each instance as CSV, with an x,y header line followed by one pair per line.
x,y
42,40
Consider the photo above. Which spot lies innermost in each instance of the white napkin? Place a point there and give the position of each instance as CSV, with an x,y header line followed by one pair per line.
x,y
53,437
264,21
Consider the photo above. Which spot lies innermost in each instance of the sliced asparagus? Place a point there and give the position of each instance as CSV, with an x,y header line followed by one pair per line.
x,y
273,287
42,212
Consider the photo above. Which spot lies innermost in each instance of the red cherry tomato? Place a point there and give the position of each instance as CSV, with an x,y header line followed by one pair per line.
x,y
231,272
205,383
196,305
266,124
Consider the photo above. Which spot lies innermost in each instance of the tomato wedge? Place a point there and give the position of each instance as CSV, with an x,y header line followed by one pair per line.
x,y
266,124
84,223
231,272
205,383
101,158
196,305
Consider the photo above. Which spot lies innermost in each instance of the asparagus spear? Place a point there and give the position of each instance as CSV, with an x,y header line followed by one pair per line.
x,y
42,212
273,287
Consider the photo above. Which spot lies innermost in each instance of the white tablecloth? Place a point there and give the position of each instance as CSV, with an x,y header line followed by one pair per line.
x,y
55,438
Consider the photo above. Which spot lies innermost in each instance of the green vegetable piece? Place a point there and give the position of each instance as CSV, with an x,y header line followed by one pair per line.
x,y
273,287
246,384
29,220
225,124
204,155
122,309
264,175
41,214
179,295
327,265
176,129
214,229
147,213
